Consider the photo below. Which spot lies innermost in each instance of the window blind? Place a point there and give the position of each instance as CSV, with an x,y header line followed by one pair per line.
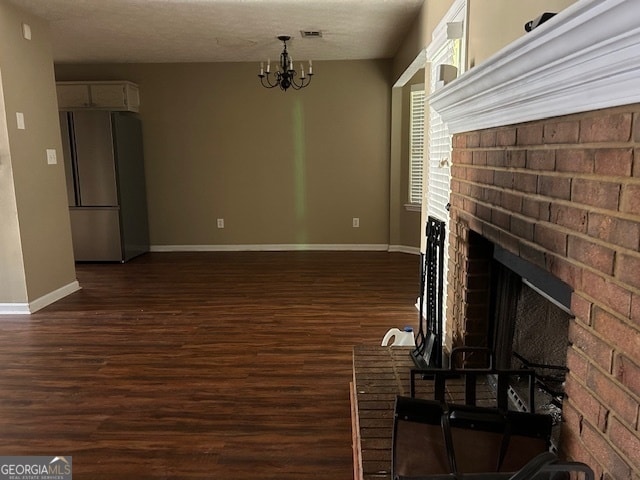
x,y
443,51
416,145
439,147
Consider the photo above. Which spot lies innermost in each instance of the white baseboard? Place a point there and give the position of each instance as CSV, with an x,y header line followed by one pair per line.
x,y
39,303
404,249
14,309
269,247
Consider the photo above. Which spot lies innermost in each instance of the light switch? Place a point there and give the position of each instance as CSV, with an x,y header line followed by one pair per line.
x,y
52,158
20,120
26,31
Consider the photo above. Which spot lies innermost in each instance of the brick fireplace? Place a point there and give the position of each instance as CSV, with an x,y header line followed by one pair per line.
x,y
562,194
546,169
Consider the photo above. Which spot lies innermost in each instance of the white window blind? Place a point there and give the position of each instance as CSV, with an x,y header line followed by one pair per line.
x,y
439,138
416,144
445,49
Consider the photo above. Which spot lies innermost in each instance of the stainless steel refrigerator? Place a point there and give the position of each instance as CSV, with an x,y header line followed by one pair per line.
x,y
104,166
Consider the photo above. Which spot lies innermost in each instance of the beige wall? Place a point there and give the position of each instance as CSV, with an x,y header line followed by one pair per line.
x,y
493,24
280,167
405,226
13,286
35,226
419,35
404,229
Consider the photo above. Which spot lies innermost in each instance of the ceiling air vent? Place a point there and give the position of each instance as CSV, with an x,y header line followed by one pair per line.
x,y
311,33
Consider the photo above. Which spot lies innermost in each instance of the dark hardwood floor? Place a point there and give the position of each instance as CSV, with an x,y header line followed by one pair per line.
x,y
201,365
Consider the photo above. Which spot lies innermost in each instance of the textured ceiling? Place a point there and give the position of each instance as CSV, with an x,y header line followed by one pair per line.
x,y
221,30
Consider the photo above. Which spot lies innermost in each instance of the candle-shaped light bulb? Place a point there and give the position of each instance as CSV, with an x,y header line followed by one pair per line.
x,y
310,68
291,64
302,70
268,65
261,68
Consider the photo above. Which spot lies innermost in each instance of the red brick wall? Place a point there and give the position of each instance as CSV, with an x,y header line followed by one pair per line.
x,y
564,194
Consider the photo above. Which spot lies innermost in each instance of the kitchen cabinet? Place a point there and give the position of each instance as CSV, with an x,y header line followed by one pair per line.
x,y
112,95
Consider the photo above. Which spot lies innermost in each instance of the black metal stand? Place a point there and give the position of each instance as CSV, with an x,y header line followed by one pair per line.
x,y
428,351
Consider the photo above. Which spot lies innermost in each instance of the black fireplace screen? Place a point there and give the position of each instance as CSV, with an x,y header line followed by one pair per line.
x,y
428,351
531,331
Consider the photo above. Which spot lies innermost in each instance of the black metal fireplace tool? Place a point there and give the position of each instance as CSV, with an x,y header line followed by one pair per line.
x,y
428,351
460,433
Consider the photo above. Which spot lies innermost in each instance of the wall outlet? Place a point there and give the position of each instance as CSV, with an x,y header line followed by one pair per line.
x,y
356,222
20,120
221,223
52,158
26,31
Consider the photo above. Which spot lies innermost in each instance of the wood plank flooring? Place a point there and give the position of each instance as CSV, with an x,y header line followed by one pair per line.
x,y
201,365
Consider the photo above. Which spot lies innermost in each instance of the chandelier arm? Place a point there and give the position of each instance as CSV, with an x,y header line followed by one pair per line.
x,y
304,82
267,83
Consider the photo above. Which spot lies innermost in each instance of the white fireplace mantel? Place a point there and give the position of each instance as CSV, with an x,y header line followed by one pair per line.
x,y
585,58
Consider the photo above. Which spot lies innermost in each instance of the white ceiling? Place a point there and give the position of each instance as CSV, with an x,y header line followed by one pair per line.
x,y
222,30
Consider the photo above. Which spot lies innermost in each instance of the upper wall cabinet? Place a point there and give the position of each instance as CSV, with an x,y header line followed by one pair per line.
x,y
120,96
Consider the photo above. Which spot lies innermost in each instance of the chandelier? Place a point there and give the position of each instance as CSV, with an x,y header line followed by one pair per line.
x,y
285,75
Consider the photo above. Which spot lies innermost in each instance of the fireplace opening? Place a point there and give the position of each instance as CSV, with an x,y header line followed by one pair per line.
x,y
540,341
519,311
529,329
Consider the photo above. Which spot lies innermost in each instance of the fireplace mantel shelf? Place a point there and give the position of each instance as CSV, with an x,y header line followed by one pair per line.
x,y
585,58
